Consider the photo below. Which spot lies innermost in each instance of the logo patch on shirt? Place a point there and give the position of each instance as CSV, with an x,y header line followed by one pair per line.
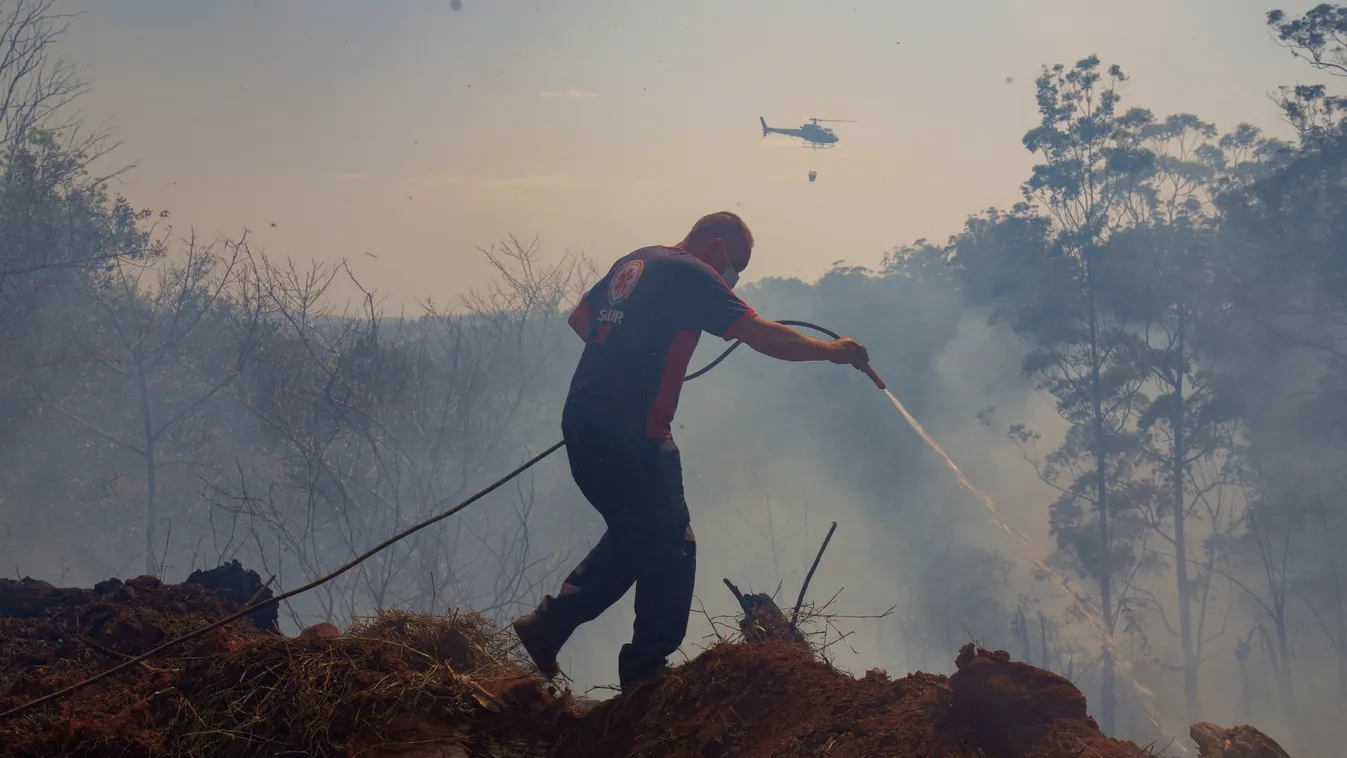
x,y
624,281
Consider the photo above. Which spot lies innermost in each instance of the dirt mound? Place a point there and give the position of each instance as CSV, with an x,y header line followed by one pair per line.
x,y
773,699
1013,709
52,637
64,629
417,686
391,683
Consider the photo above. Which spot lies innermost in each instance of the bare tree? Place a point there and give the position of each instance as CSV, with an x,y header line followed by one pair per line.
x,y
381,422
36,87
171,345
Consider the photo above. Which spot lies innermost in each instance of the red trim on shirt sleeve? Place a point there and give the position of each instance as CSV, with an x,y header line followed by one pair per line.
x,y
732,333
586,315
657,421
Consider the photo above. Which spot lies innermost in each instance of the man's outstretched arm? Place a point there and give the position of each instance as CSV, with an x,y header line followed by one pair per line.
x,y
783,343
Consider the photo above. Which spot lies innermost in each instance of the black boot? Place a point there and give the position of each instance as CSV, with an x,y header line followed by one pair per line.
x,y
651,681
639,666
541,647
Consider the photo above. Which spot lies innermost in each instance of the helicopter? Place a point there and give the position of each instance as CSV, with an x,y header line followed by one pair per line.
x,y
815,136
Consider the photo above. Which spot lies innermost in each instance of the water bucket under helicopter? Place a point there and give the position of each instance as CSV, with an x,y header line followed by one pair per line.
x,y
813,175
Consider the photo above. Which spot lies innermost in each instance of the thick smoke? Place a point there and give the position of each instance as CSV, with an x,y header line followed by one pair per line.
x,y
1159,325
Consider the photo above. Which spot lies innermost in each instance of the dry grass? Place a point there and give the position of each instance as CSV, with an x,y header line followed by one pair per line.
x,y
320,696
469,643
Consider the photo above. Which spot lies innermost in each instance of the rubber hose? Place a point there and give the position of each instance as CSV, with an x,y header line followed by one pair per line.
x,y
737,343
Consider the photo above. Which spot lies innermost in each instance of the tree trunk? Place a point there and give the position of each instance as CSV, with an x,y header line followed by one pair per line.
x,y
1106,695
1246,696
151,472
1021,629
151,515
1340,643
1284,680
1342,673
1106,703
1342,679
1180,545
1043,640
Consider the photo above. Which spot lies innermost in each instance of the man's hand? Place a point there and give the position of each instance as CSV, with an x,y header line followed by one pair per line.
x,y
847,350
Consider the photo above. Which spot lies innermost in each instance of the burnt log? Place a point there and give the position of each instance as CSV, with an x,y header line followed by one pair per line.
x,y
763,619
238,585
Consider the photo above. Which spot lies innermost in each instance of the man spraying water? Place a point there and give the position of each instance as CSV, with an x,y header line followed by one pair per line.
x,y
640,324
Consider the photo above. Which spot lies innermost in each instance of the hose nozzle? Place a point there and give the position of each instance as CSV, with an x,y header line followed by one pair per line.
x,y
874,377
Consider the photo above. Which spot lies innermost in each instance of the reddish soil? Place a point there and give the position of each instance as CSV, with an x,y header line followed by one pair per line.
x,y
771,699
748,700
52,637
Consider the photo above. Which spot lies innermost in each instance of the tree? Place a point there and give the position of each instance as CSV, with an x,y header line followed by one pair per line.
x,y
60,228
1047,267
35,87
381,422
44,150
1319,37
172,344
1272,340
59,224
1185,429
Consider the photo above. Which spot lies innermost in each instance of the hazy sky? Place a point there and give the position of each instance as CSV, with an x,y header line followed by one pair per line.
x,y
417,133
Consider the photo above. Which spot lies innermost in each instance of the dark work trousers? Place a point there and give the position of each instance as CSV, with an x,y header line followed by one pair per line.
x,y
636,484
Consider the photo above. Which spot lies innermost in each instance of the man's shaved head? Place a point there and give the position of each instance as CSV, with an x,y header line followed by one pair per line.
x,y
723,225
720,239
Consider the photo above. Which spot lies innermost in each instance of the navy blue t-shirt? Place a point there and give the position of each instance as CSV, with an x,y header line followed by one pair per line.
x,y
642,322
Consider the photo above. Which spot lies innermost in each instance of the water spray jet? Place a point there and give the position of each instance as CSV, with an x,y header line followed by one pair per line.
x,y
1086,608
